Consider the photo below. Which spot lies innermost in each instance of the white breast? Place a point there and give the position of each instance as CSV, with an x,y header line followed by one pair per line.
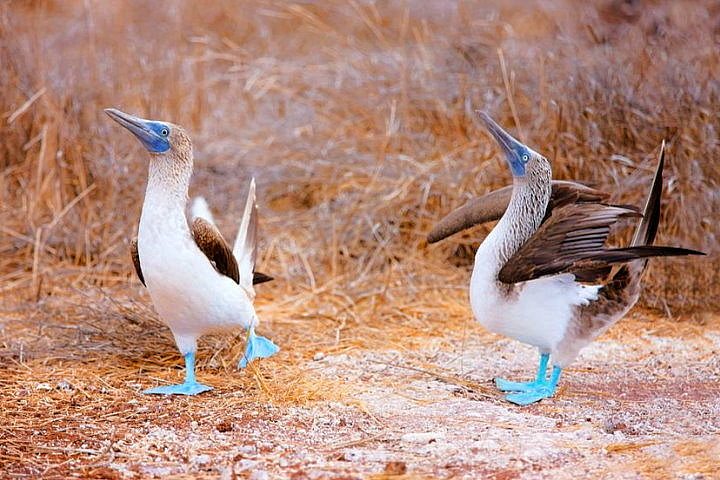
x,y
535,312
187,292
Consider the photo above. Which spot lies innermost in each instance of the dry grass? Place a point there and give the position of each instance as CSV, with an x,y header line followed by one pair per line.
x,y
356,118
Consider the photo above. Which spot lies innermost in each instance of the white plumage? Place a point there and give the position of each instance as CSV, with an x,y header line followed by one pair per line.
x,y
542,310
188,293
200,209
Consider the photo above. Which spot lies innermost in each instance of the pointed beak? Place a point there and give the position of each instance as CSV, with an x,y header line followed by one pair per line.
x,y
509,145
138,126
142,129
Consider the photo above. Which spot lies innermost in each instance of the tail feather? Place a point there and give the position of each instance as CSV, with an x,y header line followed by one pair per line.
x,y
619,255
641,246
259,277
647,229
245,242
623,287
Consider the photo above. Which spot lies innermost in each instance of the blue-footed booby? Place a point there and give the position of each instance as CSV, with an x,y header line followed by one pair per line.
x,y
196,282
543,275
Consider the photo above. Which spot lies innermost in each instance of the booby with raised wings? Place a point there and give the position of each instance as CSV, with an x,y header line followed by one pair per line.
x,y
198,285
543,275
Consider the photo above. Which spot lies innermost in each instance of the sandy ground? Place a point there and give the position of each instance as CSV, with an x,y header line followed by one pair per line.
x,y
641,403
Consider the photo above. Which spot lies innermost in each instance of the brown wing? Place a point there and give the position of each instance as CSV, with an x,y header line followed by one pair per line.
x,y
571,240
213,245
136,259
492,206
567,193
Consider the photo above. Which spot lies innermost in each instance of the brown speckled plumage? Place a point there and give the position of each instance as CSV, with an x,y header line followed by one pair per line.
x,y
571,240
619,294
530,197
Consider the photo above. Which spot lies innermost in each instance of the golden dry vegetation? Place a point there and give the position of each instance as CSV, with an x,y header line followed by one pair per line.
x,y
357,120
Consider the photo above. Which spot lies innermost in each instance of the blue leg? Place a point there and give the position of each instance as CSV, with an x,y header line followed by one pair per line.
x,y
257,347
544,390
508,386
190,387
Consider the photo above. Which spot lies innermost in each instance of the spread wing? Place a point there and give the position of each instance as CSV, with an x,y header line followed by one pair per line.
x,y
209,240
492,206
572,240
136,259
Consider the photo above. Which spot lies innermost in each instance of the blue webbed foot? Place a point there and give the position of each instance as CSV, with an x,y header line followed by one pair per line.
x,y
192,388
508,386
531,396
542,389
257,347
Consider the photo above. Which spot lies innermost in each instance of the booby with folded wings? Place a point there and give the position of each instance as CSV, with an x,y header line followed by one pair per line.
x,y
197,283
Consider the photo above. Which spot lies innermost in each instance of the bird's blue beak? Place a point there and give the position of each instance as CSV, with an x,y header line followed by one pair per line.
x,y
152,134
516,153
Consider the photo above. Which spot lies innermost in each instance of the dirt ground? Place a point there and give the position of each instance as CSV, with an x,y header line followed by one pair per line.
x,y
643,402
357,119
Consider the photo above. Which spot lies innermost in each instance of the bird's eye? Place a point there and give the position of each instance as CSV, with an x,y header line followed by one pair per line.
x,y
164,132
525,157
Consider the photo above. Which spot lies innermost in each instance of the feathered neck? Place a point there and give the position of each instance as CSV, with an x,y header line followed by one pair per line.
x,y
525,212
169,179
